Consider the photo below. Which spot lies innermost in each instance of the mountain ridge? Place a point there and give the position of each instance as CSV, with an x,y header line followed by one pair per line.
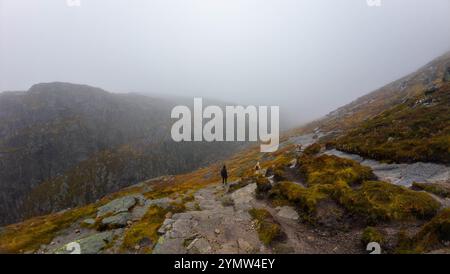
x,y
54,127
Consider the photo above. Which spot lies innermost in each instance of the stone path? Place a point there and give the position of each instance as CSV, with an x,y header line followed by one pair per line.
x,y
215,228
229,229
401,174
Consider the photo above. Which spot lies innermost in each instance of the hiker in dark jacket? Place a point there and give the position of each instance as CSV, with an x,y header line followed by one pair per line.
x,y
224,174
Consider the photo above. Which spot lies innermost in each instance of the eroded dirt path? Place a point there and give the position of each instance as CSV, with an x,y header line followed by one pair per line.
x,y
223,225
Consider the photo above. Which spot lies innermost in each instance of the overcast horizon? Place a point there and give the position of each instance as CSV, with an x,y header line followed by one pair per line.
x,y
308,57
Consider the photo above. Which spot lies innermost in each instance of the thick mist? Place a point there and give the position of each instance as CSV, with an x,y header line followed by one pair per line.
x,y
309,57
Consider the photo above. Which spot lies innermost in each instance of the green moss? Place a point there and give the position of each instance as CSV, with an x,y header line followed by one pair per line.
x,y
175,207
371,234
436,189
312,149
268,229
303,198
433,233
31,234
381,201
409,132
238,185
262,187
373,202
147,227
328,169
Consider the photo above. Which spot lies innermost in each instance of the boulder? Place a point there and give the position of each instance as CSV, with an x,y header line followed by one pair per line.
x,y
119,205
88,222
288,212
163,202
93,244
117,221
244,197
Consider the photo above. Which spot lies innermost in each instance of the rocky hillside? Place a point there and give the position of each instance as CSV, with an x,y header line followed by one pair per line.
x,y
310,196
300,201
428,77
64,145
417,129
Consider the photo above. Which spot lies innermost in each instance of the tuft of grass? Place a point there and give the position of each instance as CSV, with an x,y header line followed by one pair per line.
x,y
268,229
381,201
328,169
305,199
416,130
312,149
436,189
147,227
262,186
433,234
373,202
371,234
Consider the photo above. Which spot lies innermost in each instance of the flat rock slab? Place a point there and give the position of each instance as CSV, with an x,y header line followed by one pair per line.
x,y
89,221
93,244
400,174
244,197
117,221
117,206
162,202
212,230
287,212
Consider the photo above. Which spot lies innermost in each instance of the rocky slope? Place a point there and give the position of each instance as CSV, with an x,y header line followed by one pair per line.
x,y
427,78
298,202
415,130
307,197
64,145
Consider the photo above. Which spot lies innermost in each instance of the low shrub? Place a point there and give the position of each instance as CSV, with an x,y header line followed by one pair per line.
x,y
268,229
371,234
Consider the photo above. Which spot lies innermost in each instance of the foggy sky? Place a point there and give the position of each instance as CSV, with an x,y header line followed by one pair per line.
x,y
309,57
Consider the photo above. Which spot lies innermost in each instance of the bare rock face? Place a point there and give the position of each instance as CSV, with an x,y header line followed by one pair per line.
x,y
214,228
401,174
243,197
117,206
117,221
288,212
90,245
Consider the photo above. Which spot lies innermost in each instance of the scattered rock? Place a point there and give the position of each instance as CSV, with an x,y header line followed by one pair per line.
x,y
139,212
293,163
116,221
191,244
163,202
190,206
288,212
198,231
243,197
90,245
244,245
117,206
201,246
167,224
88,222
